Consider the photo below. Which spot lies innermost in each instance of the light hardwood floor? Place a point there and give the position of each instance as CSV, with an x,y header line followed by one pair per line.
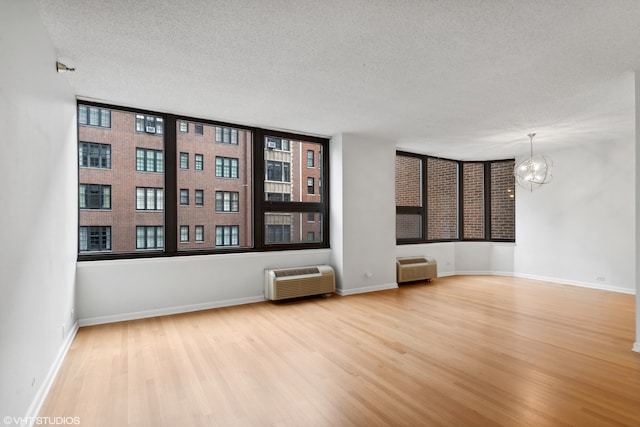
x,y
461,351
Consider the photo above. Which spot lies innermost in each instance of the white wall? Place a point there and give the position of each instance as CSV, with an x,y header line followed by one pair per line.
x,y
363,213
636,346
38,200
109,291
580,228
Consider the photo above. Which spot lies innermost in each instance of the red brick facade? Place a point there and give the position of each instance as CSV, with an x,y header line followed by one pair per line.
x,y
503,207
473,197
442,204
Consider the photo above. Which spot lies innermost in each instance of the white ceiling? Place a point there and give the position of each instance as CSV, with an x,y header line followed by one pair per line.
x,y
466,79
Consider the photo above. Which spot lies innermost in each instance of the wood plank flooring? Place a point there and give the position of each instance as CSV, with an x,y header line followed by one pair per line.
x,y
460,351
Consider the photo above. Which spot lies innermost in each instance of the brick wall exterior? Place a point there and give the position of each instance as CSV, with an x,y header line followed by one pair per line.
x,y
442,204
473,199
408,181
503,214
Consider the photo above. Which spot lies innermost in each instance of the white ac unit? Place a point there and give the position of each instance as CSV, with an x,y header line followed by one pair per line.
x,y
271,145
151,129
297,282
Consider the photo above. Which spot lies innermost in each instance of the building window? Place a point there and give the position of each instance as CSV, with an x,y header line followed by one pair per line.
x,y
226,167
95,196
311,217
227,235
199,233
199,162
184,233
278,197
310,186
198,129
184,160
273,143
148,198
278,171
227,201
311,236
199,197
149,124
94,238
94,116
184,128
310,158
184,196
148,160
442,199
94,155
149,237
226,135
278,233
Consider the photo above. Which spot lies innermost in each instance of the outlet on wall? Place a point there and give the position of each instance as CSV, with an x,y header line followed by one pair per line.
x,y
600,279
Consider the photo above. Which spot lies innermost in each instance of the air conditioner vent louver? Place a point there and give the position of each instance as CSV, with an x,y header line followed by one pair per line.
x,y
415,268
285,283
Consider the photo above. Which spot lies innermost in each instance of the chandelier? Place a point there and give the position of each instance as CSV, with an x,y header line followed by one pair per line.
x,y
534,171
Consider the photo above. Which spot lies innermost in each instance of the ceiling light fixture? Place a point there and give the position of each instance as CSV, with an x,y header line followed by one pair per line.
x,y
534,171
61,68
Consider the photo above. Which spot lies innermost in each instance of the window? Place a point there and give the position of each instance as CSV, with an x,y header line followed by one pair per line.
x,y
227,235
274,143
311,217
226,167
227,201
184,196
199,194
278,171
94,238
142,207
184,233
95,196
310,158
199,233
184,160
278,197
278,233
93,155
149,237
310,186
149,198
311,236
443,200
226,135
94,116
149,124
149,160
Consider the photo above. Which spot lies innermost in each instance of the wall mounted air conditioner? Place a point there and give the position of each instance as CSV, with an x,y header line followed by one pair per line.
x,y
151,129
411,269
271,144
284,283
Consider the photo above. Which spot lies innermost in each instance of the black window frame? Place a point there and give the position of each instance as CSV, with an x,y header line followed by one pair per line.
x,y
184,160
101,233
87,150
158,164
198,162
102,113
311,154
146,190
422,210
151,124
198,197
147,229
94,193
233,170
234,201
183,228
170,169
184,197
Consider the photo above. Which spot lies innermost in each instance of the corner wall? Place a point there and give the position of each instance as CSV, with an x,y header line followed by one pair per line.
x,y
38,213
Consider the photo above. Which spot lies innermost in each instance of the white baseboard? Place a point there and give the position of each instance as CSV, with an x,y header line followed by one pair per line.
x,y
365,289
167,311
636,347
43,391
483,273
577,283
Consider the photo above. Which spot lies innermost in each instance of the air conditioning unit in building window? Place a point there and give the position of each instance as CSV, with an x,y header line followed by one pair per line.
x,y
271,145
151,129
296,282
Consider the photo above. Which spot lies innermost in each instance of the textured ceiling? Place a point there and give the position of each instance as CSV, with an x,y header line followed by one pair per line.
x,y
462,79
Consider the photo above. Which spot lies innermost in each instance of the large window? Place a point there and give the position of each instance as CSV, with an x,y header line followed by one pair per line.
x,y
95,196
250,187
444,200
94,116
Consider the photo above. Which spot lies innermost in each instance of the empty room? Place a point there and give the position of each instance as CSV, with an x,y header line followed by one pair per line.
x,y
299,213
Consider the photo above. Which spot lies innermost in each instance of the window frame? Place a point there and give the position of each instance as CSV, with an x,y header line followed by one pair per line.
x,y
170,167
422,210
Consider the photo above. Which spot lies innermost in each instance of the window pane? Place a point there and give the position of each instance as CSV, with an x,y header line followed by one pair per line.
x,y
503,197
442,204
408,226
292,227
221,182
283,156
473,200
408,181
127,191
